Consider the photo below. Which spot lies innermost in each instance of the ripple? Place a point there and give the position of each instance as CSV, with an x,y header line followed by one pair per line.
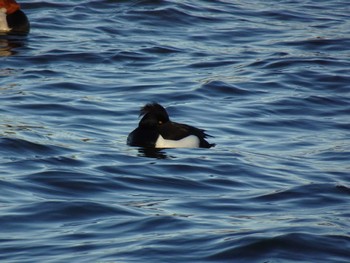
x,y
270,83
289,247
18,147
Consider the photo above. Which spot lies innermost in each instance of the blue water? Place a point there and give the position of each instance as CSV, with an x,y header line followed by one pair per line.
x,y
270,80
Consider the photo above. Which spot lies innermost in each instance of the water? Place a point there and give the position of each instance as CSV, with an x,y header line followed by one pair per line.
x,y
269,80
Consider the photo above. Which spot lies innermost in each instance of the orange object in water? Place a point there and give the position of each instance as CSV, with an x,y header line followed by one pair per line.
x,y
10,5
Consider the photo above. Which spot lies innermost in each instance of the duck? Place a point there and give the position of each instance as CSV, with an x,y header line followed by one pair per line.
x,y
12,19
156,130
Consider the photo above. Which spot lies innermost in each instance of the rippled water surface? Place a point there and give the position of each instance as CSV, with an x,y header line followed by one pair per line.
x,y
270,80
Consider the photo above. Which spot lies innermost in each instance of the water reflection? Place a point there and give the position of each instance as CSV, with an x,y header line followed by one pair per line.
x,y
153,153
9,45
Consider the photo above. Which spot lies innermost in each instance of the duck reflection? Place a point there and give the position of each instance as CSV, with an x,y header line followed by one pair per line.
x,y
153,153
8,46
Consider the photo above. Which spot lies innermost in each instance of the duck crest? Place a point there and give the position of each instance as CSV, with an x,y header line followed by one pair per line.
x,y
153,115
152,108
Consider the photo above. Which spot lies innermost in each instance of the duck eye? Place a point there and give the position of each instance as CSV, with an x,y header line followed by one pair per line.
x,y
160,122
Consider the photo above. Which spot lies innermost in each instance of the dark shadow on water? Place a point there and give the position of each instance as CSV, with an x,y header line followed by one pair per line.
x,y
153,153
